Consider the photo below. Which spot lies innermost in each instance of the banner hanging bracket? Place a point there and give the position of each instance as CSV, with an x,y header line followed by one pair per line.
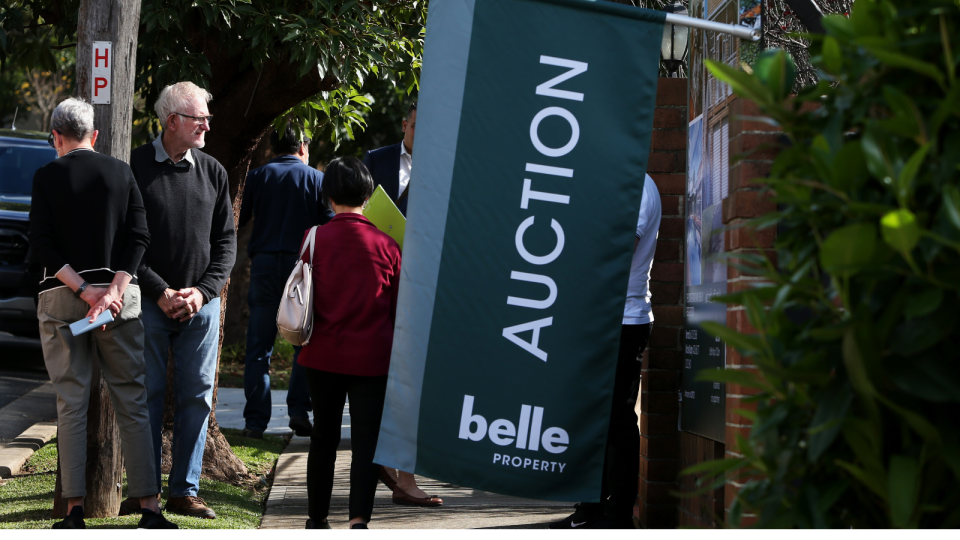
x,y
742,32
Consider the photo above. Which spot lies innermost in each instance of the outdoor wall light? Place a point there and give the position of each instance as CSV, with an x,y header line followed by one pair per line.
x,y
673,48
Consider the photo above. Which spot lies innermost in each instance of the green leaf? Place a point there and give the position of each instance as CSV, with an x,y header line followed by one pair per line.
x,y
743,84
912,63
951,203
828,420
832,61
909,172
732,337
873,484
902,482
900,230
923,303
777,71
849,249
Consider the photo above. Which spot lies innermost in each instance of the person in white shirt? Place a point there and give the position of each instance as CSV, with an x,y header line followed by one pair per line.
x,y
390,166
618,490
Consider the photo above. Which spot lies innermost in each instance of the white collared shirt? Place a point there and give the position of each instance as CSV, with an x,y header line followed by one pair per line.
x,y
406,163
162,155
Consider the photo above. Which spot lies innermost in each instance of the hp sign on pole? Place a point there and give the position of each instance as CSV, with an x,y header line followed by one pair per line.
x,y
102,53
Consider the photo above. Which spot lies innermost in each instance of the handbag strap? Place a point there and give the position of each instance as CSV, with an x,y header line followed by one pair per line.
x,y
312,235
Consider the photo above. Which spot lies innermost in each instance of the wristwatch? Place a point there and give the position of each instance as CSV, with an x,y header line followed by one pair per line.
x,y
83,286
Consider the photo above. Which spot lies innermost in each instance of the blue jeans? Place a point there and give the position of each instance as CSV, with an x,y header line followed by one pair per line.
x,y
194,343
268,275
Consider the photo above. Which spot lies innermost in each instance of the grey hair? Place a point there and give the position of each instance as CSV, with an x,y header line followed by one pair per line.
x,y
73,117
176,97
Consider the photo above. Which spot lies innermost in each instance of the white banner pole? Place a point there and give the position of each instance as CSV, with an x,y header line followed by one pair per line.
x,y
742,32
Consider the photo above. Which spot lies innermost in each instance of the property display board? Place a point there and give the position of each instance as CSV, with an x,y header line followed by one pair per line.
x,y
534,124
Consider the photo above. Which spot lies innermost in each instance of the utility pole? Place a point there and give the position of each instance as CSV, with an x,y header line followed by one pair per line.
x,y
106,66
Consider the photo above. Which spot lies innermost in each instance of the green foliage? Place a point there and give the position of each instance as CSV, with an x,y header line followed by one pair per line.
x,y
858,379
345,42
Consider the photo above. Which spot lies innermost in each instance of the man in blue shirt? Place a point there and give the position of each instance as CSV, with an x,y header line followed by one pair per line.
x,y
285,199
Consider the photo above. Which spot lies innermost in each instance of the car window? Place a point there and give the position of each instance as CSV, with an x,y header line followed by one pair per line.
x,y
17,165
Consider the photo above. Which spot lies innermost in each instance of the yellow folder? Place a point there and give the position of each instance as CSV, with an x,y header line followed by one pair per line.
x,y
381,211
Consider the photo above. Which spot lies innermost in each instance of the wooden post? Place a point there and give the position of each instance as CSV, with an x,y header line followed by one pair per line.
x,y
115,21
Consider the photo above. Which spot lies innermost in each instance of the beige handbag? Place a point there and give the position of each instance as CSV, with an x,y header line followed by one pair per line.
x,y
295,316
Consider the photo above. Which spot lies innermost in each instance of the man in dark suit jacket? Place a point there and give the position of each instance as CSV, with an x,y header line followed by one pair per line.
x,y
390,165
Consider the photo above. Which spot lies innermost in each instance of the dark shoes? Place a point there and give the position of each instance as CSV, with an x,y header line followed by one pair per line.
x,y
359,526
582,518
189,506
247,432
131,505
301,426
153,520
311,524
74,520
402,497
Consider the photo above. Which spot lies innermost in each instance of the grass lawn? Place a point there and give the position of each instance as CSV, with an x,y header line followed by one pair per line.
x,y
281,361
26,501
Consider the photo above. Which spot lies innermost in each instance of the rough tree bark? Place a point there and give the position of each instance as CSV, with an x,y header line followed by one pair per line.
x,y
115,21
245,103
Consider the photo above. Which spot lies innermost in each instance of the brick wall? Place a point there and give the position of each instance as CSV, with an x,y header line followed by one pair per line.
x,y
660,439
756,144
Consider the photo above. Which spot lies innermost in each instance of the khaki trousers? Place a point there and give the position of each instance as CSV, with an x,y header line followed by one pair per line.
x,y
69,360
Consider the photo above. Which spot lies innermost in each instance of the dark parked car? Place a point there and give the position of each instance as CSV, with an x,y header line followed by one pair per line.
x,y
21,154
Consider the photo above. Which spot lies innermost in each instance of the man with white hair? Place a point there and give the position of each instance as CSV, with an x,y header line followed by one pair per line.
x,y
89,230
192,250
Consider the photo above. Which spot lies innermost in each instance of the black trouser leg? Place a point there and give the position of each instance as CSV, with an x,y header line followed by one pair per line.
x,y
366,407
328,394
622,460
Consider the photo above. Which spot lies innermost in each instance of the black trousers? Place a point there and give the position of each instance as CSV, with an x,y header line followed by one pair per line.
x,y
328,392
621,464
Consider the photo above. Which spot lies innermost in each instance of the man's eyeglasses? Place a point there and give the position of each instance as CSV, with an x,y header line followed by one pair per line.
x,y
199,119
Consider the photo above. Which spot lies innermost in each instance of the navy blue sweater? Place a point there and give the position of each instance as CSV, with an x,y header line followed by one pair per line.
x,y
285,198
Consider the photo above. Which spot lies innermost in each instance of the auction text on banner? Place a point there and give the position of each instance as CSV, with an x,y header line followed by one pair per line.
x,y
535,119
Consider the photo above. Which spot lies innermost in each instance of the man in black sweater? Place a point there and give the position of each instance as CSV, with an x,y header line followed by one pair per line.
x,y
88,229
192,250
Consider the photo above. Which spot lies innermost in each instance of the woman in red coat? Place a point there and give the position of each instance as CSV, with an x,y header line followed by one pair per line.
x,y
355,277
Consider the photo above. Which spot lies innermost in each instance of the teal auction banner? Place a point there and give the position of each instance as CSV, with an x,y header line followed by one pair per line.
x,y
534,120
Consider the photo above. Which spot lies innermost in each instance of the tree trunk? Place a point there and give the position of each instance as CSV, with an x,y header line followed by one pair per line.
x,y
116,21
104,459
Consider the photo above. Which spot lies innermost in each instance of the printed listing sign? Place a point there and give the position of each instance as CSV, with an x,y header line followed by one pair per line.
x,y
535,119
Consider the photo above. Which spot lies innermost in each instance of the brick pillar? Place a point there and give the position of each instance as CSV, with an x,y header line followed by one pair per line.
x,y
757,143
659,437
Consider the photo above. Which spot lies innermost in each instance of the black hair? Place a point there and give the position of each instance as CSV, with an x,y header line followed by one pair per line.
x,y
289,143
347,181
411,110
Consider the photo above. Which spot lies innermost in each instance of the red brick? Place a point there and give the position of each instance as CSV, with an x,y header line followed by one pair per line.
x,y
667,250
734,358
652,493
734,272
668,118
663,271
670,183
657,424
739,321
665,292
664,162
671,91
735,403
730,432
669,315
671,227
658,470
669,140
661,380
664,337
746,174
671,205
748,237
747,204
755,146
659,402
745,107
664,359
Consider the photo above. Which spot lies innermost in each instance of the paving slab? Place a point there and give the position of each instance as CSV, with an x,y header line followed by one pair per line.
x,y
463,508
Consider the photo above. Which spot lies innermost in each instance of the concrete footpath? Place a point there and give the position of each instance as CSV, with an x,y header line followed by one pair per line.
x,y
463,508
